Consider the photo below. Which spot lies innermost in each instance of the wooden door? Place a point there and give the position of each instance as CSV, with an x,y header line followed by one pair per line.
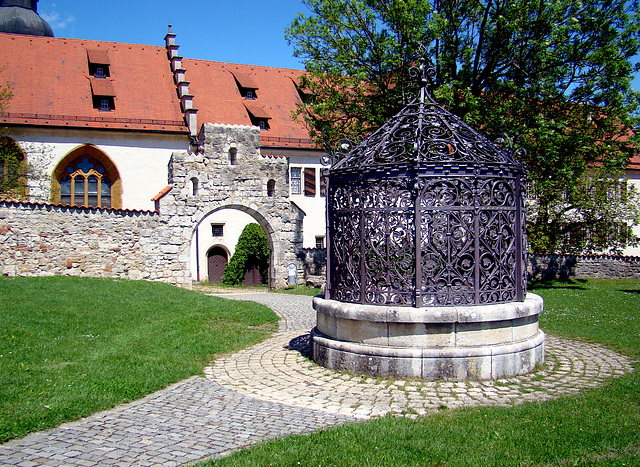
x,y
216,264
252,276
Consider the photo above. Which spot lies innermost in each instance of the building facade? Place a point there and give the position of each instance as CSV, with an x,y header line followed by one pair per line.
x,y
103,124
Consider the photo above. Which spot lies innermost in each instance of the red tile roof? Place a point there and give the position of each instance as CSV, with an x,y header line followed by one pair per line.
x,y
634,163
51,84
52,87
218,100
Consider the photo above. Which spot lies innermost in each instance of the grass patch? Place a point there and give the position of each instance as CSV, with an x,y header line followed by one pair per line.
x,y
300,290
596,427
70,347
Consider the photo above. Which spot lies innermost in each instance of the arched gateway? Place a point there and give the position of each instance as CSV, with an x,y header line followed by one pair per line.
x,y
240,185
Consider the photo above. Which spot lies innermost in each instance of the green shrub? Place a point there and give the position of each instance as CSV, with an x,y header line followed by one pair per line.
x,y
252,248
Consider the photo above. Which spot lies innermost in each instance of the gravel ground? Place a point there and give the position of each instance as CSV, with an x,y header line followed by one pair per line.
x,y
296,311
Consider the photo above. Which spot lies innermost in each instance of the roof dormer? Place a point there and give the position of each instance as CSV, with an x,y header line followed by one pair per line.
x,y
98,63
246,85
258,115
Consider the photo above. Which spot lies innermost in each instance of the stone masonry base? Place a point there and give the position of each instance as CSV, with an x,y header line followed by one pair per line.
x,y
433,343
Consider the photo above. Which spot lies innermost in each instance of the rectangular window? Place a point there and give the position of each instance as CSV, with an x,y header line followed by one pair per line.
x,y
104,105
309,182
320,241
296,182
217,230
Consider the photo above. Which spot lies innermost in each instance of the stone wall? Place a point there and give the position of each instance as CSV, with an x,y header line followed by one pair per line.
x,y
546,267
241,186
44,239
314,266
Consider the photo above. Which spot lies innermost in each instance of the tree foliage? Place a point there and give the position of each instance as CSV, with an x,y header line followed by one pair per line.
x,y
555,73
14,169
252,249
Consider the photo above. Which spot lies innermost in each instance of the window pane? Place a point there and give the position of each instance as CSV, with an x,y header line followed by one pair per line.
x,y
92,191
309,182
105,192
65,190
217,230
79,190
296,187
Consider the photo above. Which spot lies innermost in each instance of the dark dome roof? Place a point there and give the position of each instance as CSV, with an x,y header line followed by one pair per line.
x,y
20,17
420,136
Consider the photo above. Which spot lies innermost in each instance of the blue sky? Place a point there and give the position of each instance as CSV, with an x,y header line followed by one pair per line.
x,y
235,31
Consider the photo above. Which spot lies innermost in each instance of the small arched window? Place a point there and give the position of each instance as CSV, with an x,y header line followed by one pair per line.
x,y
194,186
233,156
271,187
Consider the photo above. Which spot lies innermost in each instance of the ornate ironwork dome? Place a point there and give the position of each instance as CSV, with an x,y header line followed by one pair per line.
x,y
425,212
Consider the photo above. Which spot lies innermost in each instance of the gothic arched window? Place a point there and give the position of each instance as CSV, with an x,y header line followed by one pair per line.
x,y
87,177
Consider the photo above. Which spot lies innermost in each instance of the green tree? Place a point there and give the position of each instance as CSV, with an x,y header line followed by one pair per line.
x,y
252,249
13,167
556,73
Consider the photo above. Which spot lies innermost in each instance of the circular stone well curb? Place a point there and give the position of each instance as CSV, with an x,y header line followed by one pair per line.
x,y
452,343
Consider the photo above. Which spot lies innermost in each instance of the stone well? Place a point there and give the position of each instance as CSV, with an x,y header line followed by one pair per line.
x,y
426,255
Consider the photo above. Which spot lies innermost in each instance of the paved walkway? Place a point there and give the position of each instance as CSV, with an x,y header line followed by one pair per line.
x,y
272,389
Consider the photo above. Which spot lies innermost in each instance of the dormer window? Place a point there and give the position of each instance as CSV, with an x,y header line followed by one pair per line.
x,y
103,95
246,85
258,115
98,63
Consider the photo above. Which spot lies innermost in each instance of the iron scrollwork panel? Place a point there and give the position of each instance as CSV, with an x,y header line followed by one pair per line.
x,y
389,244
497,251
448,260
345,256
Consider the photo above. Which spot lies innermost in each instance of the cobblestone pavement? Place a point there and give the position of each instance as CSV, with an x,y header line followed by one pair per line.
x,y
271,389
278,370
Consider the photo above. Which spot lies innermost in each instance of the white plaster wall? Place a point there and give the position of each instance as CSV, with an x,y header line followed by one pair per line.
x,y
234,223
141,159
314,223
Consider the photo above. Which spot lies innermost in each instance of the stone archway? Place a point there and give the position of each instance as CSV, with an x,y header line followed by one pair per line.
x,y
242,186
199,241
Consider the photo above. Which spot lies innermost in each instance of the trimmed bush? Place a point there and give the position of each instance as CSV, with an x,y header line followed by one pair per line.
x,y
252,249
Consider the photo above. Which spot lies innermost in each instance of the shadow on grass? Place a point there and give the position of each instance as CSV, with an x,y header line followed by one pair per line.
x,y
571,284
629,291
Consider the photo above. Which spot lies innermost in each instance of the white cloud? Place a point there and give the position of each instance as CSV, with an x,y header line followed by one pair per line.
x,y
57,20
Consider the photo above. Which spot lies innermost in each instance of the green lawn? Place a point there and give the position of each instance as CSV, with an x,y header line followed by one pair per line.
x,y
599,427
70,347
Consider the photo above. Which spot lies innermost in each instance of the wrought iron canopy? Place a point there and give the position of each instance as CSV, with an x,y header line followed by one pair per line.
x,y
425,212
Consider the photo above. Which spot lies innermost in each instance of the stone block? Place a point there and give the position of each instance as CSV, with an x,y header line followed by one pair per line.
x,y
487,333
366,332
421,335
